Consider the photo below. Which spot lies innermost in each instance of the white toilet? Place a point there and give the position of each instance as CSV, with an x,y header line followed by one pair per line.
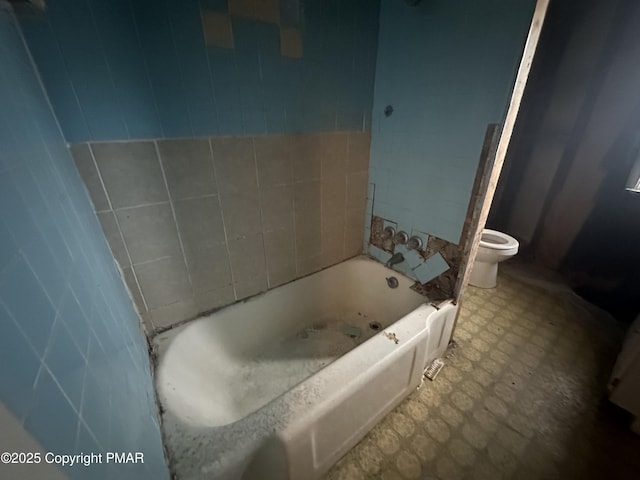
x,y
495,247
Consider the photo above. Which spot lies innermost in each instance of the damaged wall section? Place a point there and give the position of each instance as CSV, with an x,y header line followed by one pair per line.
x,y
429,123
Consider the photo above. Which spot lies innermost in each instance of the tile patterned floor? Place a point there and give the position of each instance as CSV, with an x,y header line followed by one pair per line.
x,y
521,396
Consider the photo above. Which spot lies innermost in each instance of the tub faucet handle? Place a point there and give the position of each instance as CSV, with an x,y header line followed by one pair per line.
x,y
389,232
401,238
415,243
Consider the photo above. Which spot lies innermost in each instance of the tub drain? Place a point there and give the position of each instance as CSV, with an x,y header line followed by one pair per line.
x,y
375,326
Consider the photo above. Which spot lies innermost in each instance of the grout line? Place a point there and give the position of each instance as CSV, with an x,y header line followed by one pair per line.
x,y
323,139
213,89
146,262
224,226
90,325
345,228
264,245
82,398
100,44
293,205
180,71
207,195
132,14
151,204
47,348
124,243
39,76
175,219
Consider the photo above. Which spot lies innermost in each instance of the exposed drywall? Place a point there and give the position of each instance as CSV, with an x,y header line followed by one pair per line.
x,y
430,119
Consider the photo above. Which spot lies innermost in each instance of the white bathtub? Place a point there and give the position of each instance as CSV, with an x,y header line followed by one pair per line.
x,y
282,385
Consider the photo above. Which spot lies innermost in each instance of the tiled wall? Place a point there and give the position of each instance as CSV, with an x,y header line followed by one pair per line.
x,y
200,223
446,69
74,369
139,69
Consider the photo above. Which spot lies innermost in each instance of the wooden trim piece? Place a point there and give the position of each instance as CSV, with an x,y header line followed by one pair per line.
x,y
470,245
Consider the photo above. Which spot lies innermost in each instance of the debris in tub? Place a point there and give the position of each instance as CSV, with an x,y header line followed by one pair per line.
x,y
352,331
392,336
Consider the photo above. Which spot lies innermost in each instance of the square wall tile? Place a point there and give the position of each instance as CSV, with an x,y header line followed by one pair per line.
x,y
307,205
334,154
209,266
75,320
168,315
134,289
334,195
309,265
308,243
131,173
114,238
356,219
306,157
273,158
248,265
332,248
353,241
52,420
235,164
8,247
16,383
213,299
280,251
25,299
42,261
96,411
241,213
333,226
188,167
261,10
291,42
163,281
357,188
149,232
432,267
87,168
359,147
66,363
200,221
217,29
276,204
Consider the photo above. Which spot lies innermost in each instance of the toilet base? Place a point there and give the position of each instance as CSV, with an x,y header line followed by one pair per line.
x,y
484,275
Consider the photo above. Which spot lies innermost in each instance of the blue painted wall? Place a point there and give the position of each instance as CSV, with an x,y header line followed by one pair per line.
x,y
131,69
447,68
73,362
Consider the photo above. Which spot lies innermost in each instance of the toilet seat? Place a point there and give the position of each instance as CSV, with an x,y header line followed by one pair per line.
x,y
495,240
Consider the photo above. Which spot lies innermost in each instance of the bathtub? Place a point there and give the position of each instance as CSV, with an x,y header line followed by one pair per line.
x,y
282,385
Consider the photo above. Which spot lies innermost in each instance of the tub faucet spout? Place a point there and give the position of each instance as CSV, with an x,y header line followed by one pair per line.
x,y
396,258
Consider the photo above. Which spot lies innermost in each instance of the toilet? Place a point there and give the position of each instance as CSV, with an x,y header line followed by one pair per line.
x,y
495,247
